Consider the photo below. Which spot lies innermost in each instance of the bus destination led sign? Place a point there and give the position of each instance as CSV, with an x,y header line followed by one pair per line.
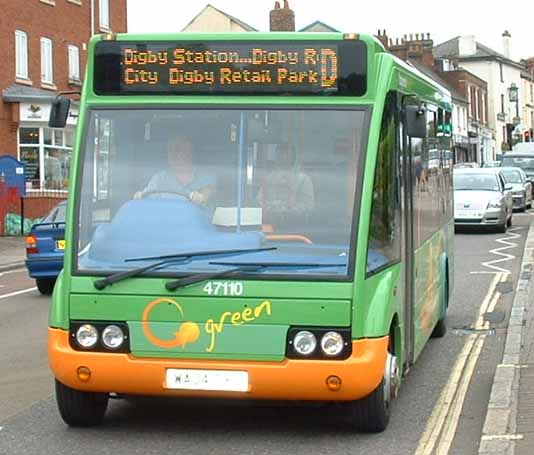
x,y
249,68
315,67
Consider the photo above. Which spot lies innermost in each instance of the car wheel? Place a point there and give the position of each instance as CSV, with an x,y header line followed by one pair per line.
x,y
80,409
45,285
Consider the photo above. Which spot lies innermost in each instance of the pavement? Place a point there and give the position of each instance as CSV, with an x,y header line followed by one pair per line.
x,y
12,253
509,424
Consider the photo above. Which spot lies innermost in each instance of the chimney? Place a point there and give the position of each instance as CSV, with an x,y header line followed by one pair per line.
x,y
282,19
467,46
506,43
383,38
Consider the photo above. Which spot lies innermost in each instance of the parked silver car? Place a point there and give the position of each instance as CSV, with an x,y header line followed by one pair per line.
x,y
482,198
521,187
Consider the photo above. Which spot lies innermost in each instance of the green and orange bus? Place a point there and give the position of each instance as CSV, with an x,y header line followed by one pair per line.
x,y
252,216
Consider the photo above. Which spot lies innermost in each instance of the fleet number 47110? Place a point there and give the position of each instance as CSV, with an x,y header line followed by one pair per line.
x,y
223,288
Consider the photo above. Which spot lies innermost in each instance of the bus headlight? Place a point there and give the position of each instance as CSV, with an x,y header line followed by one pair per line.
x,y
112,337
332,343
87,336
304,342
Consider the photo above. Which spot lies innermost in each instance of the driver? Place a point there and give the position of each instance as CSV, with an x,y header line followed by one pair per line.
x,y
181,177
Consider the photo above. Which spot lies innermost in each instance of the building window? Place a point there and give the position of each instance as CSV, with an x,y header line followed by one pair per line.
x,y
473,102
485,107
47,155
47,71
74,63
21,54
502,104
103,7
501,71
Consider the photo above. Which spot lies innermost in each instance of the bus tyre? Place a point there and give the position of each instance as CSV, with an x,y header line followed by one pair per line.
x,y
440,329
371,414
46,285
80,409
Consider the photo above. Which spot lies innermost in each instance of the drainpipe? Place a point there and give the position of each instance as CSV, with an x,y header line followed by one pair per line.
x,y
92,17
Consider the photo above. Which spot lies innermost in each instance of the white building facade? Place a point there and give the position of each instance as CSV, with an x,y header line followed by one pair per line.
x,y
502,76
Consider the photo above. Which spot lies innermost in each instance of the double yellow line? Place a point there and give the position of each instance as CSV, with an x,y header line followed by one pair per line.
x,y
441,427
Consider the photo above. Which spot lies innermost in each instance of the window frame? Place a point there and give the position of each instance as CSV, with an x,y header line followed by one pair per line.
x,y
73,53
47,61
41,146
21,56
104,19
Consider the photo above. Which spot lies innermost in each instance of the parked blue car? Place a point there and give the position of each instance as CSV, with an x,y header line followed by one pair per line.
x,y
45,247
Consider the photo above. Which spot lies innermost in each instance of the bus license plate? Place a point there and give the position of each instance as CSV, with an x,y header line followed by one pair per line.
x,y
60,245
225,381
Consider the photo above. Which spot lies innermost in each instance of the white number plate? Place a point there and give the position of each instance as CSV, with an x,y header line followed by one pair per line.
x,y
468,214
225,381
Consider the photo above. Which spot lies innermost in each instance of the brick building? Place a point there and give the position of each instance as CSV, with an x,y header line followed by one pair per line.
x,y
473,134
45,52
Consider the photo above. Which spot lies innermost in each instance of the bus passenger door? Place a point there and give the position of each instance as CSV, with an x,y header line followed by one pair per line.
x,y
407,183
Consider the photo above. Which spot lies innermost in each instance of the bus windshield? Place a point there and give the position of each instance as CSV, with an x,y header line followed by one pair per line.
x,y
170,181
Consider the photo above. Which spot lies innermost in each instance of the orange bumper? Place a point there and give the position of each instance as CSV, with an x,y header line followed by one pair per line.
x,y
287,380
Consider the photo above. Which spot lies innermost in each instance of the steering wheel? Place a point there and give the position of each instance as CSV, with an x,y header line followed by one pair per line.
x,y
289,238
182,194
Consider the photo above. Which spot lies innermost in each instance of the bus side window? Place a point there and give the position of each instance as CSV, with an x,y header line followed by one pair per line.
x,y
384,226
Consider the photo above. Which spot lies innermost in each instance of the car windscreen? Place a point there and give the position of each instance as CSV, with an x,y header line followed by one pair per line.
x,y
476,181
56,215
524,162
512,176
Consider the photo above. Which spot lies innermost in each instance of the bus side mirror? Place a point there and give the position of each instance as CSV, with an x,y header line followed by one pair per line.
x,y
415,118
59,112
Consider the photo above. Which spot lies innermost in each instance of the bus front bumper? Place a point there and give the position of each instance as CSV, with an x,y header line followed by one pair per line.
x,y
287,380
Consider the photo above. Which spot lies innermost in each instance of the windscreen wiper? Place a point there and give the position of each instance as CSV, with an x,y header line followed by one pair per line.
x,y
202,253
167,259
243,267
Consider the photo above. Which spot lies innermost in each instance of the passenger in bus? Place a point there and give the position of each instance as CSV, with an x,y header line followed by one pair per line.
x,y
180,178
287,195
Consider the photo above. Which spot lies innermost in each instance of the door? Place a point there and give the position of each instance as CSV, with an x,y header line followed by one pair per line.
x,y
407,172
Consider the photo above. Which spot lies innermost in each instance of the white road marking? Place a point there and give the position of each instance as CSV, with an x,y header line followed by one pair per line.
x,y
441,427
458,403
502,437
13,294
499,252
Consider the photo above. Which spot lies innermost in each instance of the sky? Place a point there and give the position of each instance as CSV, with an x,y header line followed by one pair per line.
x,y
443,20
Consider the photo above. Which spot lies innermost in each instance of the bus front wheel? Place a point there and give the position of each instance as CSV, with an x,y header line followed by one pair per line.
x,y
371,414
80,409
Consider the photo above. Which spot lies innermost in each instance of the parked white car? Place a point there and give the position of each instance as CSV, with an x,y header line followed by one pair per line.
x,y
482,198
521,187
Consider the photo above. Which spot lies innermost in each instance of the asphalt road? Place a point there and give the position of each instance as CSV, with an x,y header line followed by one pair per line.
x,y
30,423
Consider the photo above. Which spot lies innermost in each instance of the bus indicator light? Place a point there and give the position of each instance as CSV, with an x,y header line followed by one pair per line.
x,y
84,374
333,383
